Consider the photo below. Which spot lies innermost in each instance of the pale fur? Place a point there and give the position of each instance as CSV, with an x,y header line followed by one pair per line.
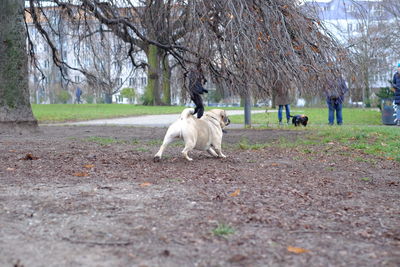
x,y
201,134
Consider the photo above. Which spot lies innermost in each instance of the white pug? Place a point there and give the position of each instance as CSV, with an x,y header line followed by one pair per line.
x,y
202,134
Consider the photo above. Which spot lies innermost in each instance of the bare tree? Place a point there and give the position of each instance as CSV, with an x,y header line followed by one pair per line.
x,y
103,59
244,45
371,47
368,29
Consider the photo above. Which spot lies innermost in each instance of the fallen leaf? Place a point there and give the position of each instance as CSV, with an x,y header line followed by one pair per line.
x,y
145,184
81,174
12,150
297,250
10,169
235,194
88,166
29,156
274,164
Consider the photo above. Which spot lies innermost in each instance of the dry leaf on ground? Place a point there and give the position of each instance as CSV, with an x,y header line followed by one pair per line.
x,y
297,250
235,194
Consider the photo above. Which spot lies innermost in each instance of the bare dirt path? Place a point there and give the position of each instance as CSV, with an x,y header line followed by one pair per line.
x,y
92,196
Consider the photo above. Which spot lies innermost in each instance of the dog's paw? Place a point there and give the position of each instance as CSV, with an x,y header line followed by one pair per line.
x,y
156,159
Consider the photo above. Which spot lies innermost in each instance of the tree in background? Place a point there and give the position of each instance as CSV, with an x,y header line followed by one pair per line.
x,y
245,46
15,109
129,93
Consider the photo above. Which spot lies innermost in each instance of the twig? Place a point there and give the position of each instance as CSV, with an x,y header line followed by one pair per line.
x,y
383,226
99,243
315,231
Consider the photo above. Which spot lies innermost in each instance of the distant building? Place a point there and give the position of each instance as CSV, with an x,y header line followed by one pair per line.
x,y
364,26
102,54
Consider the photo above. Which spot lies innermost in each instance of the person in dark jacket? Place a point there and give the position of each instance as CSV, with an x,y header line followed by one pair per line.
x,y
196,89
335,99
78,94
396,86
282,99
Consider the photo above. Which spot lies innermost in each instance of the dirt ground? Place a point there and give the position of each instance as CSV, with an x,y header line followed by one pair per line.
x,y
92,196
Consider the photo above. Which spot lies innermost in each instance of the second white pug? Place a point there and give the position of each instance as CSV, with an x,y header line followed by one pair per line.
x,y
202,134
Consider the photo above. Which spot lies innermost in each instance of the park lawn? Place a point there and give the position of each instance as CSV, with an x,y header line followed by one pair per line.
x,y
49,113
73,112
362,130
381,141
317,116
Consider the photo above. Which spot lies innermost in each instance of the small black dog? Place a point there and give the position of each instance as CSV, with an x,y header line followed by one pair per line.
x,y
299,119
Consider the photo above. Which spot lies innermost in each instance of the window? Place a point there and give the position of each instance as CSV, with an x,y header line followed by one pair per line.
x,y
350,8
77,79
143,81
46,63
349,27
132,81
119,81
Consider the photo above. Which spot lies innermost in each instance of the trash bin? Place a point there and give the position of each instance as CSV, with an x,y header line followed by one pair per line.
x,y
388,112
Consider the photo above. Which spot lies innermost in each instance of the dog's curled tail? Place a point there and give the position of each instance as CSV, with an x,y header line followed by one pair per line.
x,y
186,113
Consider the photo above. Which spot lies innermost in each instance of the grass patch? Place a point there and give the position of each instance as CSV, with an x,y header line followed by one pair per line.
x,y
142,149
104,140
50,113
380,141
223,230
317,116
245,145
362,129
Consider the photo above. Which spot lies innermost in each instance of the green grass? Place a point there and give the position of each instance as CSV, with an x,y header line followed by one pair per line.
x,y
317,116
362,129
71,112
223,230
103,140
82,112
381,141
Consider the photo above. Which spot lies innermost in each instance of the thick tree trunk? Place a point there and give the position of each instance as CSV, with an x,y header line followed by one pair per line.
x,y
152,94
166,82
15,109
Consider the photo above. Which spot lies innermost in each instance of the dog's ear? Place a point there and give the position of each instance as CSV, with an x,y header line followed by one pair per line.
x,y
224,117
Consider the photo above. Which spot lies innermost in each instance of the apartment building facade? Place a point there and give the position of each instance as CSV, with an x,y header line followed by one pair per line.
x,y
365,27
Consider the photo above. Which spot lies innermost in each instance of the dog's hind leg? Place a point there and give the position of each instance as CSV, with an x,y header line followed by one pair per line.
x,y
185,152
169,138
219,152
212,152
217,148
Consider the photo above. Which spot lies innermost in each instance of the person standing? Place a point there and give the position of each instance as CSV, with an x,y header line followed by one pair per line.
x,y
78,94
282,99
396,86
335,99
196,89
